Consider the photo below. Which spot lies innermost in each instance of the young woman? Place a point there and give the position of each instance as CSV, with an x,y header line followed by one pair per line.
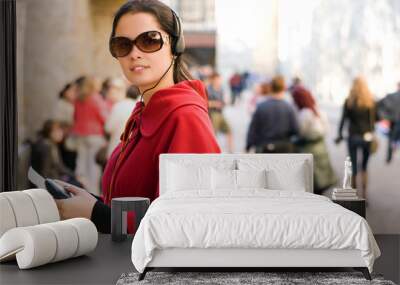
x,y
360,112
45,156
313,126
171,116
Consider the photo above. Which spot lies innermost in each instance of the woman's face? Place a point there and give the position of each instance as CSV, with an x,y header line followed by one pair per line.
x,y
143,69
57,134
71,93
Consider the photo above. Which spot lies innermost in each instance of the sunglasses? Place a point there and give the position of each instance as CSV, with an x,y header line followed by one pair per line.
x,y
148,42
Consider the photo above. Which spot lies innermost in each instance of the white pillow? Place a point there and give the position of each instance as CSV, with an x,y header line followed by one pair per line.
x,y
251,178
223,179
183,177
293,180
281,174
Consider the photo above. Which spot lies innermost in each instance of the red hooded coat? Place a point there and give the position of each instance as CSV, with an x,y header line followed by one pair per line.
x,y
175,120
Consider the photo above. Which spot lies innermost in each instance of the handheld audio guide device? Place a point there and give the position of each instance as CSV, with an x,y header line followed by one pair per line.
x,y
55,189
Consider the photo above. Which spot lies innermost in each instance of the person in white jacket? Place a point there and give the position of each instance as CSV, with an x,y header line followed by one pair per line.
x,y
119,115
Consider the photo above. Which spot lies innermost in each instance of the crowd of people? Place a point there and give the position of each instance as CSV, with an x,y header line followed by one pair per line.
x,y
295,123
278,126
89,118
83,130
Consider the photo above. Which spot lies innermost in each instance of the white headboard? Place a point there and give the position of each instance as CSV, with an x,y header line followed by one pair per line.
x,y
231,161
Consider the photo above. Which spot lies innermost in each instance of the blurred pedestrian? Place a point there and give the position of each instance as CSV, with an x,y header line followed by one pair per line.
x,y
313,127
105,86
273,123
45,156
261,92
64,109
296,82
236,86
359,111
64,114
89,118
116,92
389,109
216,105
119,115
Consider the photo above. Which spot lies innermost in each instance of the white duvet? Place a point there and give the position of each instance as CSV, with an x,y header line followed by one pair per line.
x,y
250,218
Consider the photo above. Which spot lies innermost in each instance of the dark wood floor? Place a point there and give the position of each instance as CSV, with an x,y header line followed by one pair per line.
x,y
389,262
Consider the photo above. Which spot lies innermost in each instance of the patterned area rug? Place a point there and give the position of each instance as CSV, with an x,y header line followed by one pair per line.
x,y
273,278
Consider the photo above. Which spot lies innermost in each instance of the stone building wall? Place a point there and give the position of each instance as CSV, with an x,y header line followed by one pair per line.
x,y
102,13
57,41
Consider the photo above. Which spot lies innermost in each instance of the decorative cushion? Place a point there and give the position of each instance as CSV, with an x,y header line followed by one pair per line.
x,y
181,177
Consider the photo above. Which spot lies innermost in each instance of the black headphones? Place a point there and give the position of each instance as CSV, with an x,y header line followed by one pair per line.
x,y
178,45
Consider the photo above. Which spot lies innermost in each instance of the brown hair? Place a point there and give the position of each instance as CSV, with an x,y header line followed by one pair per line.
x,y
48,127
304,99
265,88
132,92
214,75
88,86
164,16
360,95
65,89
278,84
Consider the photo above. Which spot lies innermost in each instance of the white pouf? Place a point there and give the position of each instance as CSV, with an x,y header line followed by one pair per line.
x,y
7,217
23,208
67,240
33,246
40,244
45,205
87,235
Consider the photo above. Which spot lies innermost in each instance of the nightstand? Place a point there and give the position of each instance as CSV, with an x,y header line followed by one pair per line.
x,y
357,206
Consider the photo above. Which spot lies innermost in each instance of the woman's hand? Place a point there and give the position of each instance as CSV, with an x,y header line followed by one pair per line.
x,y
80,205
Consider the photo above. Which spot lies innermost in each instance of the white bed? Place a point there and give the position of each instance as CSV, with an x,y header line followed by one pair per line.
x,y
226,210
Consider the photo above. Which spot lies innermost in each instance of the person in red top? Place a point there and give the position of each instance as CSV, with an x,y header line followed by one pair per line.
x,y
90,110
88,129
171,117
